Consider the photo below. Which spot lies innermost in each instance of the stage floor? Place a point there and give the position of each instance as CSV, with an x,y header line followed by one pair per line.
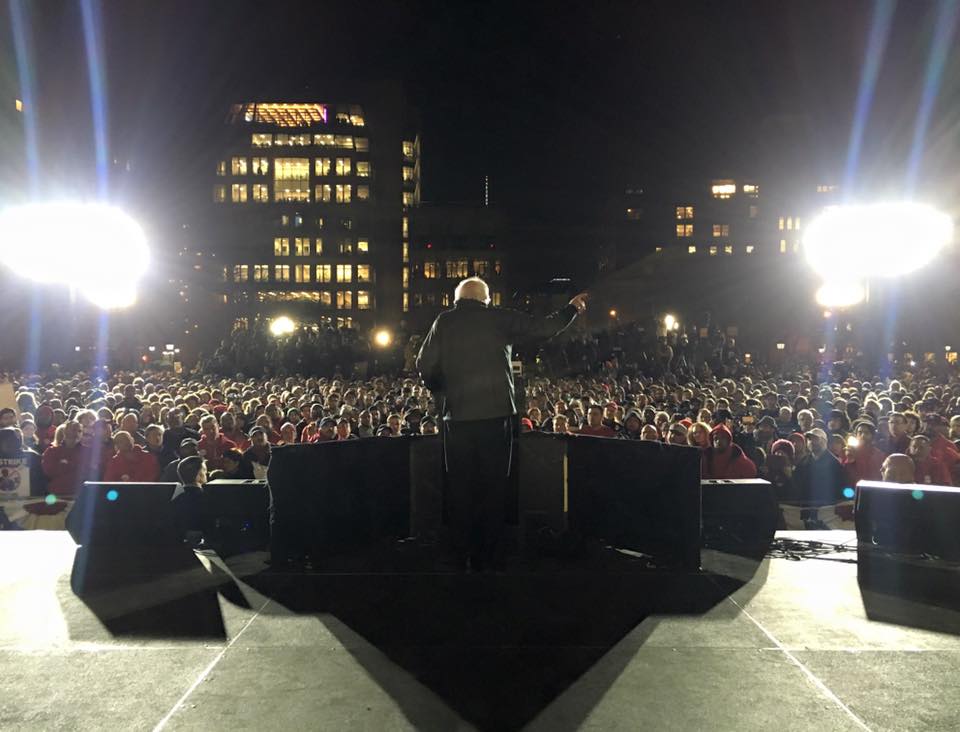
x,y
792,648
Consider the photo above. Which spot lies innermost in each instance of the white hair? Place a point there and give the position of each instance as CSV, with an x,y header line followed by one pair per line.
x,y
472,288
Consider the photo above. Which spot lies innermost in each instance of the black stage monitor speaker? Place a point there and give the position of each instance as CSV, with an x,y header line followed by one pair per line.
x,y
127,536
739,514
240,513
544,493
908,541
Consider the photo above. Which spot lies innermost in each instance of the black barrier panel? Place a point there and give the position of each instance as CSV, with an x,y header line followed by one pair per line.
x,y
636,495
339,495
426,488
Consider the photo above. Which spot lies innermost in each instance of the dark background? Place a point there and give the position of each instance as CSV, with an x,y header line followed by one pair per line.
x,y
561,104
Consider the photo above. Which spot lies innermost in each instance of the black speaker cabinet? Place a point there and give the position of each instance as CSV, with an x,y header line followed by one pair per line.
x,y
739,514
240,512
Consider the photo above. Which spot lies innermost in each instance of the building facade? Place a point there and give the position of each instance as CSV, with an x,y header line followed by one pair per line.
x,y
312,202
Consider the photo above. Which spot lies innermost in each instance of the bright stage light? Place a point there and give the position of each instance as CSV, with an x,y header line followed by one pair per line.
x,y
282,326
841,294
876,240
93,247
670,322
382,338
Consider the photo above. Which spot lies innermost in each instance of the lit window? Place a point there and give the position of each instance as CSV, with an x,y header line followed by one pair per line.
x,y
495,298
713,251
458,268
344,300
282,139
445,301
789,223
343,118
281,247
261,272
431,270
345,141
301,248
780,223
261,192
219,194
284,220
343,166
480,267
319,244
325,140
727,249
751,189
658,250
749,249
406,277
363,300
363,169
319,222
796,224
344,272
346,246
346,223
321,166
684,230
497,269
325,193
684,212
281,272
363,193
826,188
406,302
238,166
407,172
407,149
783,246
363,246
364,273
326,298
291,179
406,227
301,273
343,192
754,210
297,221
222,168
407,198
260,166
324,273
723,188
238,193
721,229
241,273
18,105
261,139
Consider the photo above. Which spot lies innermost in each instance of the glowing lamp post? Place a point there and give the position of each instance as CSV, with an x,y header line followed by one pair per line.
x,y
382,338
282,326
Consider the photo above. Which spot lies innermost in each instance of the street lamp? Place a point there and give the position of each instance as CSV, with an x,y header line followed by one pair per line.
x,y
282,326
613,313
670,322
382,338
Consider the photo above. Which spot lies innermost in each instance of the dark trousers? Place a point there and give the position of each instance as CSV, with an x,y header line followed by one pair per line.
x,y
478,460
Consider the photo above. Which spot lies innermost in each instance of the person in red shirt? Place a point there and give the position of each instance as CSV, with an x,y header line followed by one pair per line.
x,y
212,444
929,470
595,426
63,463
725,459
864,461
131,464
230,430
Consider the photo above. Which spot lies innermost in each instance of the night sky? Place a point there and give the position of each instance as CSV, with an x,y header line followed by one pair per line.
x,y
562,104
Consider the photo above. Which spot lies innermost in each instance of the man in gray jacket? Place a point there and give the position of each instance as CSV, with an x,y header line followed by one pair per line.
x,y
465,360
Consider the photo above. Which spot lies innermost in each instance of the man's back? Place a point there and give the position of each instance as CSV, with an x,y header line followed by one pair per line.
x,y
466,356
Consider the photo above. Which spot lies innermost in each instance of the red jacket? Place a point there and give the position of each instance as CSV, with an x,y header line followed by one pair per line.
x,y
945,451
601,431
865,464
213,451
729,464
932,472
136,466
65,468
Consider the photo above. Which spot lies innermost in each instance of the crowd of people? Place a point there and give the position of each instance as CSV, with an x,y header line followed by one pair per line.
x,y
811,440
